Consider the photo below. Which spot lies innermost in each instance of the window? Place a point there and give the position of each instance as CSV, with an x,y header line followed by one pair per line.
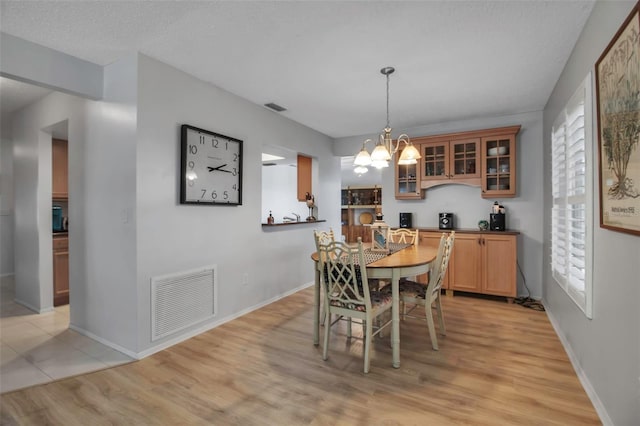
x,y
572,190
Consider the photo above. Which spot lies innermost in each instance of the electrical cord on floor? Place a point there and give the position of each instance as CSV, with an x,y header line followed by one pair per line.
x,y
528,302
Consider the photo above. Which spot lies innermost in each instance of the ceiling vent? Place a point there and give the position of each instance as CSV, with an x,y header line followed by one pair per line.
x,y
275,107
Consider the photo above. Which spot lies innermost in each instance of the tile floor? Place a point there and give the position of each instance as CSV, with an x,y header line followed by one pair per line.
x,y
40,348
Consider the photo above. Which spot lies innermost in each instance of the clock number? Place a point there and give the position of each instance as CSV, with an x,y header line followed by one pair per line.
x,y
235,172
235,157
191,164
193,149
201,139
226,195
214,143
204,192
214,194
235,187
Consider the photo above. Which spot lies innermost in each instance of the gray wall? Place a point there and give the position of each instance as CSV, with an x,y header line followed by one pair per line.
x,y
524,211
254,266
6,200
606,349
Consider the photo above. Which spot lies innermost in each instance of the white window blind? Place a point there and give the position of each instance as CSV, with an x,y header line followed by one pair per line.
x,y
572,189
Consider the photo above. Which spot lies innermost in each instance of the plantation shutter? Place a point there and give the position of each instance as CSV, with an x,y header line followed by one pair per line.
x,y
569,244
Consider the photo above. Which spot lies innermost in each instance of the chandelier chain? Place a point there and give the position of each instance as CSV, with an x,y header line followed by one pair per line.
x,y
388,100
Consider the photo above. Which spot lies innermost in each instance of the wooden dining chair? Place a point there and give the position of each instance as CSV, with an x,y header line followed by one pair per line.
x,y
347,293
322,237
400,236
428,295
403,236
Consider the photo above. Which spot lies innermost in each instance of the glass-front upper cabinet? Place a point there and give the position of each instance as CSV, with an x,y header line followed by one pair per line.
x,y
448,161
408,181
499,171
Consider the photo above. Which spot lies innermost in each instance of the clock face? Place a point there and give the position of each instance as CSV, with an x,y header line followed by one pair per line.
x,y
211,171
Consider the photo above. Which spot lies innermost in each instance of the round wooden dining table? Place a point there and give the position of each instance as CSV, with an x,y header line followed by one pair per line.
x,y
410,261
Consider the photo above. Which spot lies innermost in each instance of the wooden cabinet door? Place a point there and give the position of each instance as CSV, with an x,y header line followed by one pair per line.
x,y
408,180
500,263
499,166
432,239
59,168
60,272
435,162
465,264
464,158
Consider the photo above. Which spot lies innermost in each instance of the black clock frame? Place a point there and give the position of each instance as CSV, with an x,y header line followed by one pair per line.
x,y
184,144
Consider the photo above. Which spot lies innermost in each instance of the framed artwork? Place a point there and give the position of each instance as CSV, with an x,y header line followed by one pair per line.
x,y
618,106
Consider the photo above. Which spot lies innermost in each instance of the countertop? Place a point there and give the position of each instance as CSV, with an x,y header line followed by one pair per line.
x,y
472,231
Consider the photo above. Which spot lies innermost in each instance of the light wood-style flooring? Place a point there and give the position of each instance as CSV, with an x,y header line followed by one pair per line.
x,y
499,364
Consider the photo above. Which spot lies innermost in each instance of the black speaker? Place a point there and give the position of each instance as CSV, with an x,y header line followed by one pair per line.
x,y
405,220
497,222
445,220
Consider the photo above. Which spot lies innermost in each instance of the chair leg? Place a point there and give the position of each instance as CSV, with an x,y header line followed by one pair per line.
x,y
327,329
443,330
432,328
349,327
368,331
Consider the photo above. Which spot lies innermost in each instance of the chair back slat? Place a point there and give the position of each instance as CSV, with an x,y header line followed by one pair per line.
x,y
345,275
403,236
439,268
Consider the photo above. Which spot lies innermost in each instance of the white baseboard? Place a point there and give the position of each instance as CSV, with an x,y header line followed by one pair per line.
x,y
103,341
212,325
584,380
33,308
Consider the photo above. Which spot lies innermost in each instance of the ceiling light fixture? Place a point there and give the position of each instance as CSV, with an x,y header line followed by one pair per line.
x,y
385,148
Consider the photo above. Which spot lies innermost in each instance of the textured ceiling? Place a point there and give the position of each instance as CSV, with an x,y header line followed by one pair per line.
x,y
321,60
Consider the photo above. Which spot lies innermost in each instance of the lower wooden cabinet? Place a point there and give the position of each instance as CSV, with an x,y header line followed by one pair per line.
x,y
60,270
484,263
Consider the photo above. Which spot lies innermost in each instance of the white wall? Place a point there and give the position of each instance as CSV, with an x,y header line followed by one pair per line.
x,y
6,200
101,185
279,193
524,212
173,238
606,349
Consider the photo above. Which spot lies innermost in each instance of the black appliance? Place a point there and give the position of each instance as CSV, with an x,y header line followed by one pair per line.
x,y
445,221
405,220
497,221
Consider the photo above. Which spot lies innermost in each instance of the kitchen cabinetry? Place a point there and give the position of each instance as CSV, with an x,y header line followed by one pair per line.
x,y
304,177
408,181
499,166
59,167
450,161
60,269
359,205
481,262
483,158
484,263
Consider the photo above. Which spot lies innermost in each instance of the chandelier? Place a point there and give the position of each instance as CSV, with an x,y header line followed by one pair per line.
x,y
385,148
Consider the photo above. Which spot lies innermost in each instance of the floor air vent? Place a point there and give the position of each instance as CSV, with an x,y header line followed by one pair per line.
x,y
181,300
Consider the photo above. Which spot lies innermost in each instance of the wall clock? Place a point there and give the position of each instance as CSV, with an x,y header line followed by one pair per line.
x,y
211,168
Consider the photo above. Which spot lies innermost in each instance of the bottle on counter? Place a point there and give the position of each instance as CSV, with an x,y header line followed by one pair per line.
x,y
270,219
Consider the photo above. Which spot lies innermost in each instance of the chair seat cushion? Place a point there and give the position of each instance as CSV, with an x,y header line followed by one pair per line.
x,y
378,299
409,289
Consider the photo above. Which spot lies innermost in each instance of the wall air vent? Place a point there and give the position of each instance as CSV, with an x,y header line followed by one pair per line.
x,y
181,300
275,107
